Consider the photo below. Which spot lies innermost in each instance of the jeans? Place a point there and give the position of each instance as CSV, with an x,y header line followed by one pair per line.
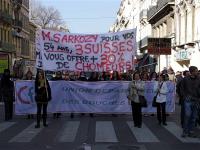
x,y
190,116
182,114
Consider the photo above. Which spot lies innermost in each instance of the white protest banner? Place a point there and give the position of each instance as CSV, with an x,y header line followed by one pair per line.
x,y
150,93
25,97
87,97
85,52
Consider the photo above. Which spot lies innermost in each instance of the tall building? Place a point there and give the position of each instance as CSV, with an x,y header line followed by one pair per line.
x,y
125,16
175,19
7,49
29,64
20,35
161,18
14,32
21,28
187,42
133,14
147,62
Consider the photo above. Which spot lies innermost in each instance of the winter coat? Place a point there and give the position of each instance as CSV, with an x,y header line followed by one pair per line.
x,y
135,89
162,95
7,87
41,95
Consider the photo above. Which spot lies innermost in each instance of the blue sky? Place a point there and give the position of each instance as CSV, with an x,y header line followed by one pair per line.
x,y
86,16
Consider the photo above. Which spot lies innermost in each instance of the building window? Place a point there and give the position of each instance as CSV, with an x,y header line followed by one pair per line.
x,y
4,36
193,23
8,8
183,24
161,30
7,35
172,24
4,5
179,29
1,34
1,4
165,29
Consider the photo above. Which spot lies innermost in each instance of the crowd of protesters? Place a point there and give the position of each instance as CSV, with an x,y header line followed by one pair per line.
x,y
187,89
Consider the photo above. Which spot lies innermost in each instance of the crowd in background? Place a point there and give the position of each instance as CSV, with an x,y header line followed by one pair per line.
x,y
7,90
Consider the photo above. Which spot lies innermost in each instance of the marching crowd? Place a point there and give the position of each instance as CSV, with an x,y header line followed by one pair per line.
x,y
187,90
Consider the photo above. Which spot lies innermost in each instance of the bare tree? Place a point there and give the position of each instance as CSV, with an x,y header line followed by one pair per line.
x,y
45,17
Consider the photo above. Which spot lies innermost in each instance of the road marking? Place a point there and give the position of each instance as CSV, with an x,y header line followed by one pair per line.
x,y
174,129
143,134
69,132
105,132
87,147
6,125
27,134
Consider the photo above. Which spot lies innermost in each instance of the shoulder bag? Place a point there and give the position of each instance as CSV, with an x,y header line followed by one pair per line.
x,y
142,100
154,103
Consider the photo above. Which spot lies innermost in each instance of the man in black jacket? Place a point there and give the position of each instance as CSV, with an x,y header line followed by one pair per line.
x,y
190,91
178,91
7,93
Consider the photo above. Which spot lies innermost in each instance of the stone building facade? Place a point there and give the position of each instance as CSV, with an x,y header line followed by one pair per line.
x,y
161,17
14,32
187,31
175,19
7,48
133,14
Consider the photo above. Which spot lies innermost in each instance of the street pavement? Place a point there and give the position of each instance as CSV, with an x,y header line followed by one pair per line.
x,y
102,132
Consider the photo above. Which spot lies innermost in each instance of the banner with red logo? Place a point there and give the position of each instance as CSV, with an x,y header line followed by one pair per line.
x,y
88,97
85,52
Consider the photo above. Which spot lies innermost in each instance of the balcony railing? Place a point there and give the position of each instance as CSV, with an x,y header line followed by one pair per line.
x,y
161,6
17,24
25,51
7,47
25,48
17,4
17,34
6,17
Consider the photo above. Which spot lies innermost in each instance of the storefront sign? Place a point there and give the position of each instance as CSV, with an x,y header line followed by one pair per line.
x,y
159,46
183,54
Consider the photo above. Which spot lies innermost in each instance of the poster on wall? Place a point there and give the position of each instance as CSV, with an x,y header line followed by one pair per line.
x,y
3,62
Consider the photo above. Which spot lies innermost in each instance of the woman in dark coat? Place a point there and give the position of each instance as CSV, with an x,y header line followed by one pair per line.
x,y
136,89
42,97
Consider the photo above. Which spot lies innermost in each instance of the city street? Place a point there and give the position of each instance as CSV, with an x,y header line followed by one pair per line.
x,y
103,56
102,132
